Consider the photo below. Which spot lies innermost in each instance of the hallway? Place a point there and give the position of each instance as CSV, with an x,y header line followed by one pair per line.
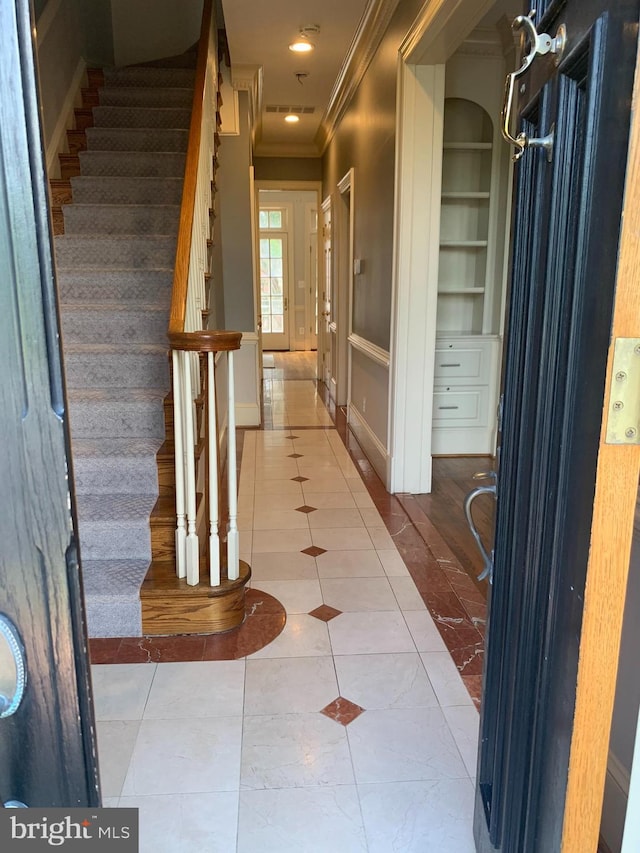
x,y
354,717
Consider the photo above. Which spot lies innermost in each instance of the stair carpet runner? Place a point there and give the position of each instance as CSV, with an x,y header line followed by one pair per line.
x,y
115,271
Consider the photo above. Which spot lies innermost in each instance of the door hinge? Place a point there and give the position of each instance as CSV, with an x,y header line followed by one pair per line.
x,y
623,418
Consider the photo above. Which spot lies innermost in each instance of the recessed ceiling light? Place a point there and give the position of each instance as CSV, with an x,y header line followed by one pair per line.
x,y
301,45
292,118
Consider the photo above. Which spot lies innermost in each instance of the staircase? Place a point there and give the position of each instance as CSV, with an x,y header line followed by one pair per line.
x,y
118,204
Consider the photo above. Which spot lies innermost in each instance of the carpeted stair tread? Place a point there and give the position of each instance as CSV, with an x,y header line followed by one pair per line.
x,y
152,117
120,218
136,164
116,412
97,189
115,527
114,507
109,365
146,76
112,596
147,96
136,139
114,322
115,250
80,285
109,465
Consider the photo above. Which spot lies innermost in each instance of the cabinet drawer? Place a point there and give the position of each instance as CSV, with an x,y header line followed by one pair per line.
x,y
466,364
460,406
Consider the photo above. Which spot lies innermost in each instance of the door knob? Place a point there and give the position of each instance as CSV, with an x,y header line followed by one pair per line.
x,y
13,671
487,559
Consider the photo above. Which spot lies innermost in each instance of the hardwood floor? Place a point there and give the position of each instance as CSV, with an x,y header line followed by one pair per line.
x,y
452,480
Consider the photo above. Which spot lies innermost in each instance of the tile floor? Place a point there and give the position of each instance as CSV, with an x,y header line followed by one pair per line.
x,y
351,731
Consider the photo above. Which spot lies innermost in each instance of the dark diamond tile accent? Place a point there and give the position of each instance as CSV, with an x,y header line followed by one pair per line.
x,y
293,436
300,479
295,456
314,551
343,711
306,508
325,613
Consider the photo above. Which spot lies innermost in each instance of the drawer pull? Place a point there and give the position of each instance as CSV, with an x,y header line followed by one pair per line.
x,y
450,365
448,407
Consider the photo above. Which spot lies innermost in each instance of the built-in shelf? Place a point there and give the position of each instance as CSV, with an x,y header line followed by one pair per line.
x,y
463,244
468,146
452,291
466,196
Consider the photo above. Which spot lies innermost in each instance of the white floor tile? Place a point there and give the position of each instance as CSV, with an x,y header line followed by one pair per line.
x,y
301,820
269,503
369,633
278,487
407,594
371,517
186,823
120,690
302,636
326,484
289,685
419,817
381,538
342,539
349,564
196,689
464,722
363,500
333,518
280,540
280,519
116,740
294,751
185,756
328,500
445,678
378,682
291,566
404,744
357,594
424,631
392,563
296,596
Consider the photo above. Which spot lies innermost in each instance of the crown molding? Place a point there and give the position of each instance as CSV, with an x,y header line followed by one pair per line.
x,y
371,29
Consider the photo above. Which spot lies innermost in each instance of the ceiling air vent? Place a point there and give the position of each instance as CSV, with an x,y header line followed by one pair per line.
x,y
282,108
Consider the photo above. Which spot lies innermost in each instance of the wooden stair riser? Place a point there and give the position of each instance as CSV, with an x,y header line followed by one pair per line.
x,y
69,166
77,141
95,77
84,118
90,97
163,540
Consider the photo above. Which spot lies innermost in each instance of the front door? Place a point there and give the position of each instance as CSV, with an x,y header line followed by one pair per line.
x,y
47,741
326,323
274,279
574,102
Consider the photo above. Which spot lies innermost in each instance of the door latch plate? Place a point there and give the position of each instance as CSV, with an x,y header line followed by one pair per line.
x,y
623,420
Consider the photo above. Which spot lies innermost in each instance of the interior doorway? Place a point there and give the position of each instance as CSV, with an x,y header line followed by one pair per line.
x,y
288,281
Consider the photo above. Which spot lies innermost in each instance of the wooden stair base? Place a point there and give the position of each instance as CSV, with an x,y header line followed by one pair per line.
x,y
170,606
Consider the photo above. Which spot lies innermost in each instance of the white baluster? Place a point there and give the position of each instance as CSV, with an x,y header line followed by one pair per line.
x,y
233,547
214,538
178,403
192,549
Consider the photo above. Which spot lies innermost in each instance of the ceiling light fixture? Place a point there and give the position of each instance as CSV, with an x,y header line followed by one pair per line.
x,y
292,118
303,43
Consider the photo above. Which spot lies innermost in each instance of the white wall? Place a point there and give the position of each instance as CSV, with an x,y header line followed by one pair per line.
x,y
144,30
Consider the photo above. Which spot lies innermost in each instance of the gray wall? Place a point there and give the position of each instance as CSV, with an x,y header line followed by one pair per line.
x,y
234,205
365,140
97,32
288,168
60,49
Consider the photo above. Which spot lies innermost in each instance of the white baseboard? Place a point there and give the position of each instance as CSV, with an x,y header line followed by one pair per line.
x,y
370,443
58,142
247,414
616,794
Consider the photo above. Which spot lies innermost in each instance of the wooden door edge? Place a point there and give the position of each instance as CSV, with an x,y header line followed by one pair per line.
x,y
611,534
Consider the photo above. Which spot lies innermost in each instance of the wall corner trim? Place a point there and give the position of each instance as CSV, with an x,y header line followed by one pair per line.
x,y
57,141
373,351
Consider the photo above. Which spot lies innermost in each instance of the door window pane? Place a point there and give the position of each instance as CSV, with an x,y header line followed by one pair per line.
x,y
277,323
264,248
272,279
275,248
276,286
275,219
266,324
264,219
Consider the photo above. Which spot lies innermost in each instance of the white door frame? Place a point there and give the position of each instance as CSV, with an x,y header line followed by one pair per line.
x,y
343,240
324,335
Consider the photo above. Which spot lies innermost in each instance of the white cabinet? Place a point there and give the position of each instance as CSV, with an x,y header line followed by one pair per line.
x,y
471,259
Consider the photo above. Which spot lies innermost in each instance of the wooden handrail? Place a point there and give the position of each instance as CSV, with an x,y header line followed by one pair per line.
x,y
183,248
206,340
